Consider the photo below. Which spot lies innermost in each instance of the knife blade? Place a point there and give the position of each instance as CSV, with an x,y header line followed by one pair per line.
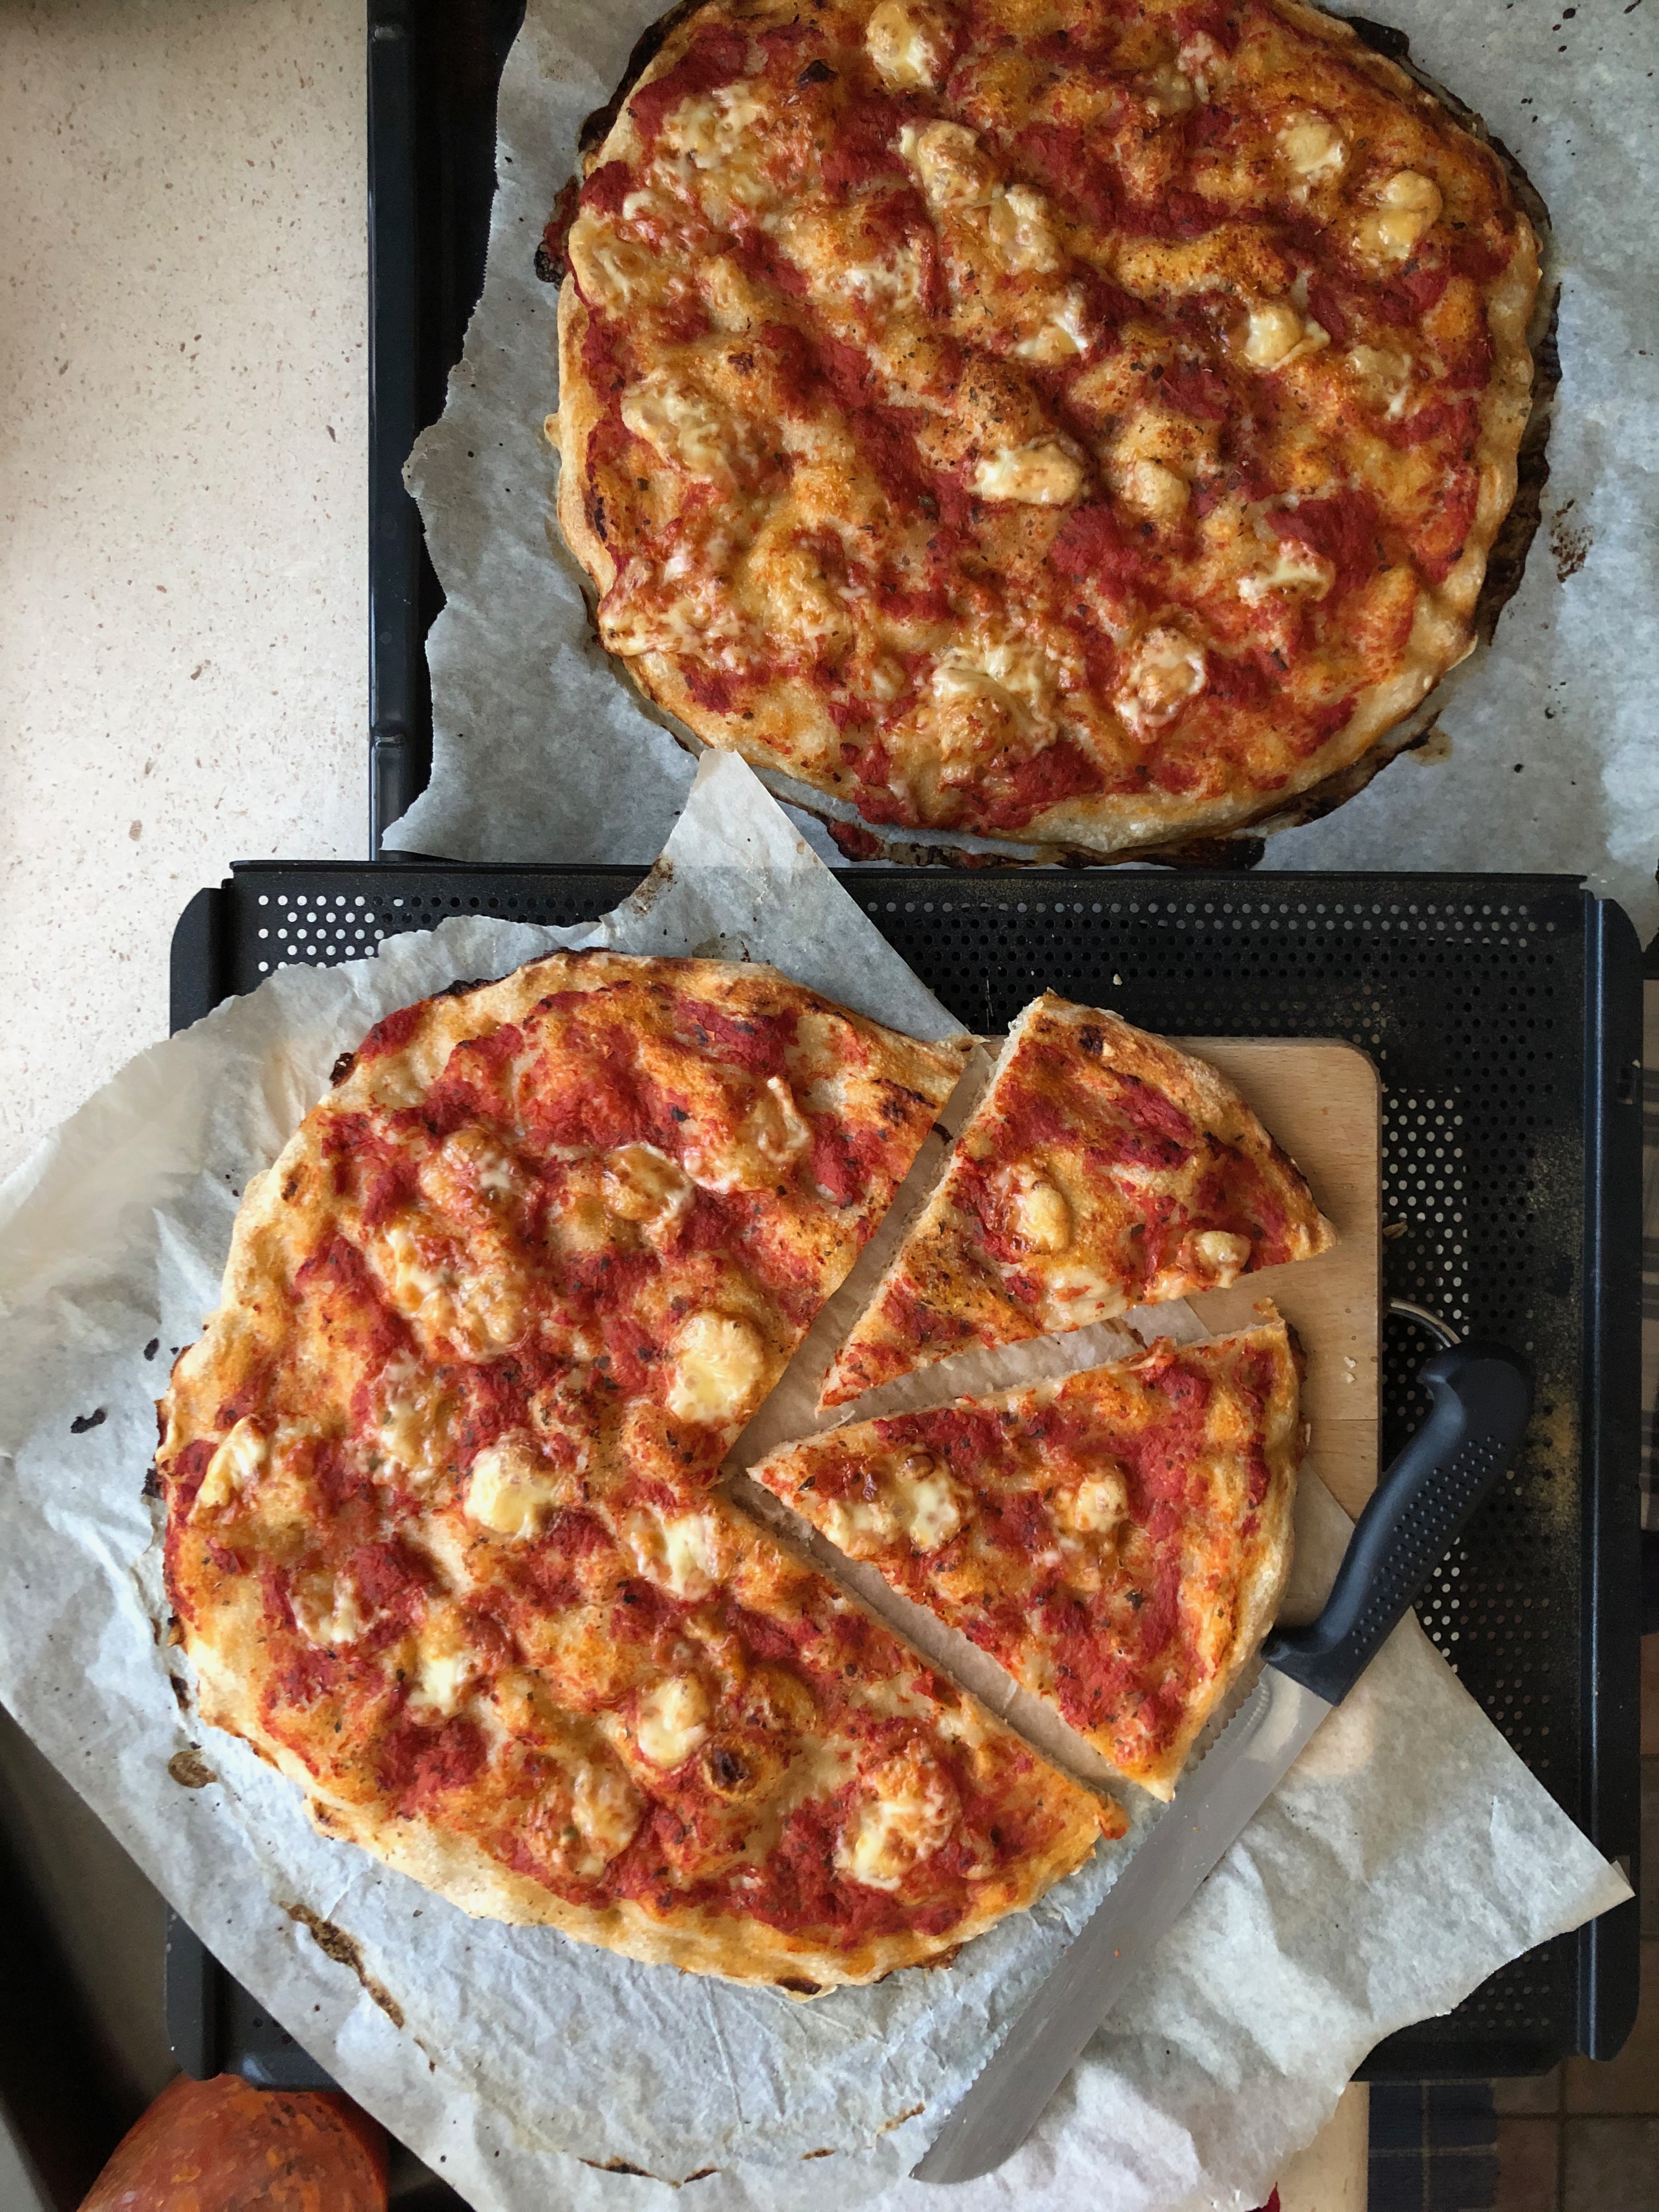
x,y
1482,1400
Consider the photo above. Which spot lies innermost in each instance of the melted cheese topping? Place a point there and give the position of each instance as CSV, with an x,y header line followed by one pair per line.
x,y
510,1488
491,1608
671,1721
443,1667
233,1468
719,1363
970,323
1044,473
1408,207
681,1552
1293,567
1038,1211
326,1609
1094,1505
908,46
904,1811
641,1184
1160,675
1313,147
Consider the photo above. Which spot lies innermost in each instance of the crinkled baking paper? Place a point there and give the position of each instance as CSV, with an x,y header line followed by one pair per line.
x,y
1409,1854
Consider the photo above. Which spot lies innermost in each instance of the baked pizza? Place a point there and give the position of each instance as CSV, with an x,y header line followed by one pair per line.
x,y
1102,1170
1084,425
1118,1541
440,1539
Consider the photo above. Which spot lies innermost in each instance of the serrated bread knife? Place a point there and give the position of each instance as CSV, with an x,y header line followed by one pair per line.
x,y
1482,1399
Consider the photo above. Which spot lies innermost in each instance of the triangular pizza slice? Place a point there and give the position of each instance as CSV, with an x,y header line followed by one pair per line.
x,y
1117,1539
1104,1169
596,1204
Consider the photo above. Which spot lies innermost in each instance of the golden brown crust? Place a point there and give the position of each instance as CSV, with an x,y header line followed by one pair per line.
x,y
1104,1169
1062,1821
441,1537
1119,1540
1089,670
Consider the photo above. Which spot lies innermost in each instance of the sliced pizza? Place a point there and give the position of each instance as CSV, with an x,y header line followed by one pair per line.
x,y
1118,1541
439,1536
1102,1170
577,1220
644,1723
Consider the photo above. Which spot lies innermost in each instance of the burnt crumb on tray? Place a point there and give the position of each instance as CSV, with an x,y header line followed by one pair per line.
x,y
82,1422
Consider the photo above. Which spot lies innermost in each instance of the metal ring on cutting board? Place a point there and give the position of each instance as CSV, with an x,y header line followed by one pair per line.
x,y
1425,1319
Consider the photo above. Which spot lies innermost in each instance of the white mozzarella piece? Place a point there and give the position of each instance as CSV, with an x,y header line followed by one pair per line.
x,y
615,273
671,1720
1062,335
1077,1294
772,1134
927,1501
443,1669
856,1525
1154,490
1294,568
1041,1214
604,1810
678,1551
904,1810
412,1280
1384,376
511,1489
719,137
950,164
1162,672
327,1610
891,280
1220,1252
1041,473
1408,207
641,1184
1016,669
1313,147
1093,1506
1169,91
1021,229
687,428
1276,334
719,1363
909,46
233,1468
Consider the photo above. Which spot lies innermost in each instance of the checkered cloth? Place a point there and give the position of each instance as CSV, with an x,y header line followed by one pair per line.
x,y
1434,2147
1651,1256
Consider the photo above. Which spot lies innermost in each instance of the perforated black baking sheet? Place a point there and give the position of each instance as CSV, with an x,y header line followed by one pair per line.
x,y
1503,1014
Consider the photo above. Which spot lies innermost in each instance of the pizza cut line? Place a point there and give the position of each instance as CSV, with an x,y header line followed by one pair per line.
x,y
1118,1541
443,1539
1104,1169
440,1539
1087,427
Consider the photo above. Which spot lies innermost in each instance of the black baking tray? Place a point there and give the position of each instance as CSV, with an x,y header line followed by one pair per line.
x,y
433,68
1504,1016
1503,1013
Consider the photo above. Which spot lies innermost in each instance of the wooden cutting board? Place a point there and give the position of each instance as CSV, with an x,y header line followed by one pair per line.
x,y
1322,1100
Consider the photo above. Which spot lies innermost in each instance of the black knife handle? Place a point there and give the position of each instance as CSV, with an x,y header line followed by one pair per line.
x,y
1482,1402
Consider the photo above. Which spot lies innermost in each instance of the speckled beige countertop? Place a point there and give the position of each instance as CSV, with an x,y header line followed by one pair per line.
x,y
183,439
183,617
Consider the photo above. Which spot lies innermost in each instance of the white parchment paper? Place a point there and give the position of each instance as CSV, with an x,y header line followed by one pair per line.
x,y
1409,1854
1547,758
